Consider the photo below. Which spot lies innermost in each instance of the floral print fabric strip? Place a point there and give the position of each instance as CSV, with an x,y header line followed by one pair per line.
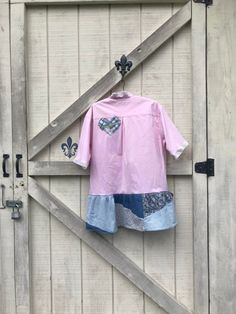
x,y
156,201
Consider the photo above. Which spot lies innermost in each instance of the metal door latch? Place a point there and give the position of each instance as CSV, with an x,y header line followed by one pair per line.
x,y
15,205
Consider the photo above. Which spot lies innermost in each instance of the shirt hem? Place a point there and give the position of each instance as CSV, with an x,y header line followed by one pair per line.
x,y
180,150
83,164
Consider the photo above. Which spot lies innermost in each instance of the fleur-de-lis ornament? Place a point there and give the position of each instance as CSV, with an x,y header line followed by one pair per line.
x,y
123,65
68,148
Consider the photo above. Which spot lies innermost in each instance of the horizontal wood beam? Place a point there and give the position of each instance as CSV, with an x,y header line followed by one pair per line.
x,y
108,81
105,249
93,2
64,168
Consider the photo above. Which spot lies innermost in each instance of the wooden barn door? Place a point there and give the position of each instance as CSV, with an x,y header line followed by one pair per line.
x,y
62,60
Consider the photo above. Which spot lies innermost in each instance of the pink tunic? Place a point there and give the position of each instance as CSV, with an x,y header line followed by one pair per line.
x,y
124,139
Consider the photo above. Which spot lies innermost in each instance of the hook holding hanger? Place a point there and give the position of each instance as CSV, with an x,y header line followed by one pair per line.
x,y
123,66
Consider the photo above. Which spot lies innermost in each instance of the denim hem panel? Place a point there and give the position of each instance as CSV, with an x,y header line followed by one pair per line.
x,y
161,219
101,212
94,228
141,212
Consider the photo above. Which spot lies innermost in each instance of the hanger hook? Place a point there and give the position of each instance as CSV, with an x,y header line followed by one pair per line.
x,y
123,80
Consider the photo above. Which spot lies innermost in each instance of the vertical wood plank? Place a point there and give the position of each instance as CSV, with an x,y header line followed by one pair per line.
x,y
63,89
21,227
221,75
159,246
37,118
7,286
182,117
93,64
200,215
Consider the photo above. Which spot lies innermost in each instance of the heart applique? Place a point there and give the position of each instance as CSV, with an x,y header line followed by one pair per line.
x,y
109,126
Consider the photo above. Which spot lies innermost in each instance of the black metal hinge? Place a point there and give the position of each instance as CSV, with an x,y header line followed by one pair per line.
x,y
206,2
207,167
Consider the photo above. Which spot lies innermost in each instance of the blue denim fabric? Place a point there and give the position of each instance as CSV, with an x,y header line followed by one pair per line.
x,y
105,213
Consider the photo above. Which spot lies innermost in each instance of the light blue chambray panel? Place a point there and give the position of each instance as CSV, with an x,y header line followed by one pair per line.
x,y
164,218
101,212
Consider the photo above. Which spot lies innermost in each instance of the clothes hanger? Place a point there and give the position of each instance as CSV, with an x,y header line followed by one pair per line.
x,y
122,93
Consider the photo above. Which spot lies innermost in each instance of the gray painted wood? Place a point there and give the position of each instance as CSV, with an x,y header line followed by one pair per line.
x,y
221,75
159,251
22,266
7,284
182,115
97,91
64,168
162,256
38,116
104,248
200,216
67,265
93,2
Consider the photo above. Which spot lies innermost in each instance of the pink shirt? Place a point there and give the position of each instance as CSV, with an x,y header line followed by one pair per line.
x,y
124,140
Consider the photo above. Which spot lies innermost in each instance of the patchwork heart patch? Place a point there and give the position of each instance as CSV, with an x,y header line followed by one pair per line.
x,y
109,126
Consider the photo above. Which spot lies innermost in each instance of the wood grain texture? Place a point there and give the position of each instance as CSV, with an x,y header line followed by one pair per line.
x,y
65,168
200,215
58,73
21,232
66,255
104,248
7,284
94,2
221,75
182,116
37,118
109,80
159,247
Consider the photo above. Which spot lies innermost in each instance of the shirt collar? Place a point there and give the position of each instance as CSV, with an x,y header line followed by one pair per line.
x,y
121,94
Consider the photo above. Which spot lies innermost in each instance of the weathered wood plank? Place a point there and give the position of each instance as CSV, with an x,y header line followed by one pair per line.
x,y
159,247
182,116
221,76
104,248
140,53
200,219
63,75
93,2
37,118
7,285
22,266
65,168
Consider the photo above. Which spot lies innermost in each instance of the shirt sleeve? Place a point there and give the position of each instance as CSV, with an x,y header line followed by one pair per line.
x,y
83,154
174,141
